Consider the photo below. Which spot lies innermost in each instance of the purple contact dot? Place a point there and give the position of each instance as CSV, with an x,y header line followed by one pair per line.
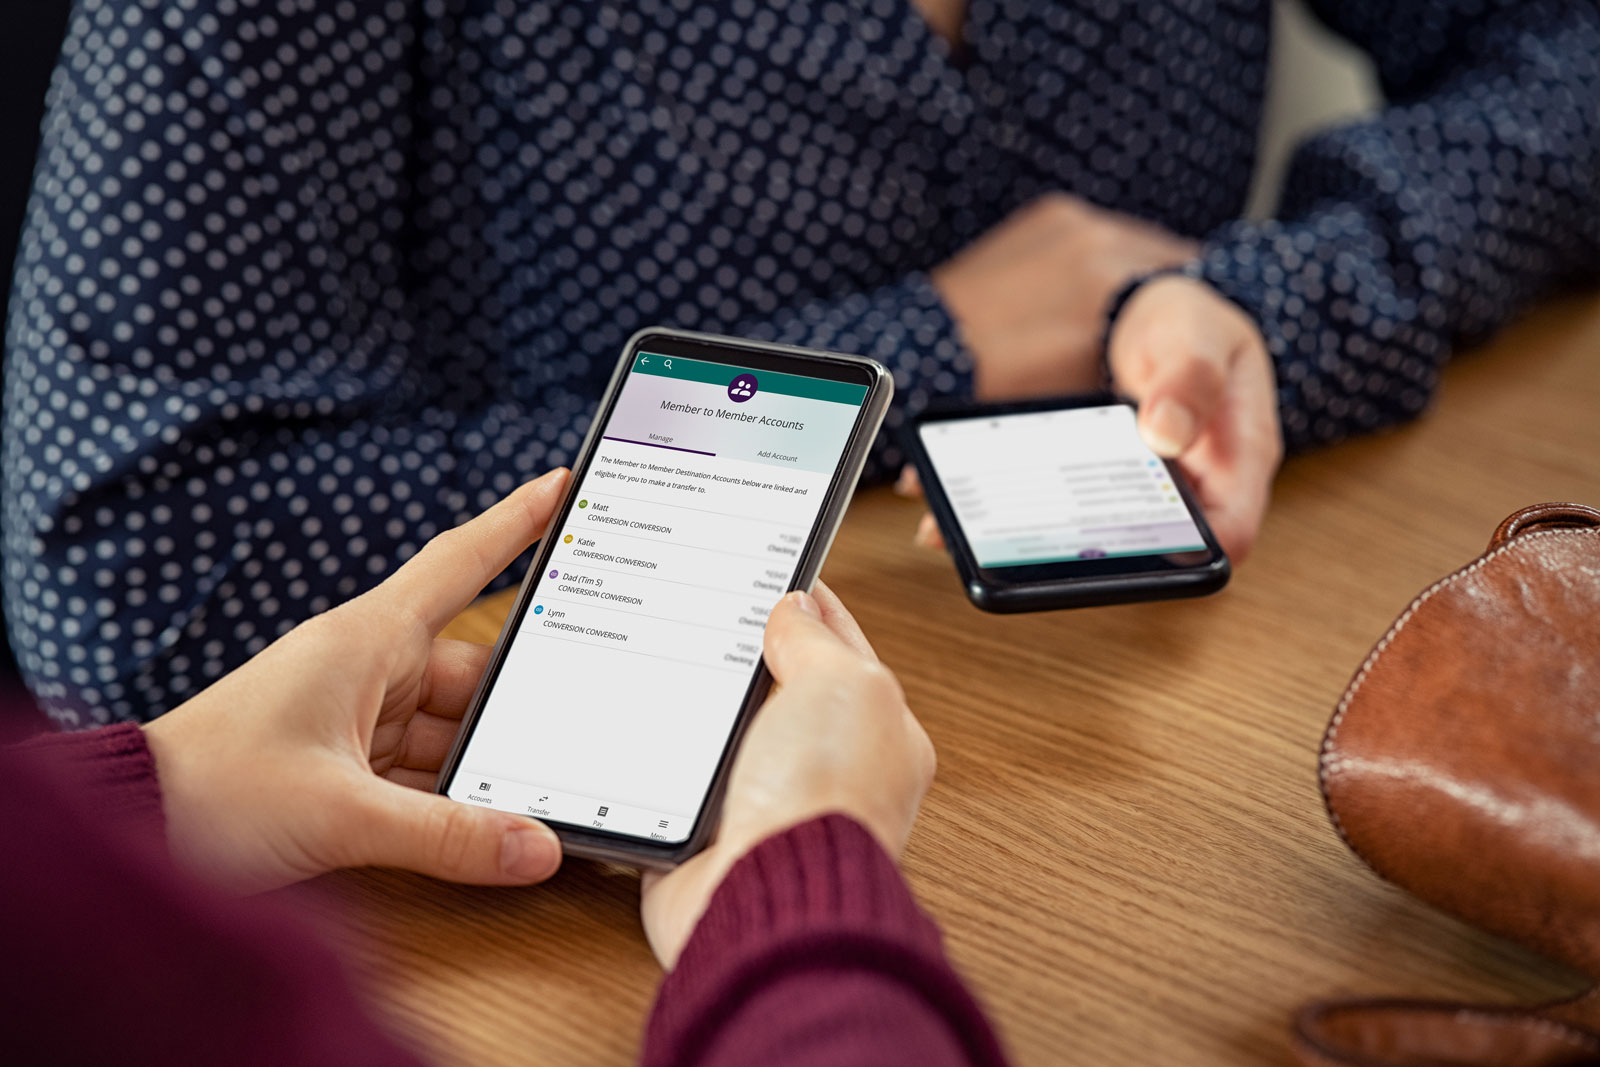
x,y
555,574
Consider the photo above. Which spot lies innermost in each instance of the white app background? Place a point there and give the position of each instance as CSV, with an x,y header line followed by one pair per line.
x,y
1057,486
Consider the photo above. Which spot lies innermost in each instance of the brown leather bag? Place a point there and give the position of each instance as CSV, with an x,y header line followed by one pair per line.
x,y
1463,764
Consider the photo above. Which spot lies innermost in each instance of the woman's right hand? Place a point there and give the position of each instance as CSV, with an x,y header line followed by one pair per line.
x,y
835,736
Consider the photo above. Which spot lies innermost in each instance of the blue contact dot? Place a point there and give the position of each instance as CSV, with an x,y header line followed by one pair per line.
x,y
538,609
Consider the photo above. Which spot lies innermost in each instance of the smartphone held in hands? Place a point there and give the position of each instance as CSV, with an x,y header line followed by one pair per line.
x,y
714,477
1060,504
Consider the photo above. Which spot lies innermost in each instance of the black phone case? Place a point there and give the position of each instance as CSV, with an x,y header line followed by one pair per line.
x,y
1007,597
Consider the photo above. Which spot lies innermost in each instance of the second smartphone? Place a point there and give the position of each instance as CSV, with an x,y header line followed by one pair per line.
x,y
712,482
1060,504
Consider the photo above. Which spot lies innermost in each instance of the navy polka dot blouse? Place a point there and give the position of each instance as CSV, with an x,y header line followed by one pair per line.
x,y
305,282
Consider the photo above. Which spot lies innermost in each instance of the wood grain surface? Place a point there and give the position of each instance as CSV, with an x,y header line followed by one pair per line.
x,y
1125,845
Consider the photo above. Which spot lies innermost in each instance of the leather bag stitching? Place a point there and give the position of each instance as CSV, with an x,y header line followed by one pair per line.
x,y
1327,758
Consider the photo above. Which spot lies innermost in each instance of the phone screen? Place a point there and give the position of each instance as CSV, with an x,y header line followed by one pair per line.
x,y
1065,485
617,695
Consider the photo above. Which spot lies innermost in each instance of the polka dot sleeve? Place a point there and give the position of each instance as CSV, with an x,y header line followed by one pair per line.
x,y
216,421
305,283
1476,191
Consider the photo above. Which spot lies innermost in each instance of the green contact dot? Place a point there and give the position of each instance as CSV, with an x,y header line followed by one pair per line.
x,y
583,503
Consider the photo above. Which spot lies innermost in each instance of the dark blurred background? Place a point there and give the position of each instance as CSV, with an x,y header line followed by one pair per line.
x,y
28,47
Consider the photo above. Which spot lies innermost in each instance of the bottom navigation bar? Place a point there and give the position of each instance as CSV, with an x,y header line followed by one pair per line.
x,y
592,812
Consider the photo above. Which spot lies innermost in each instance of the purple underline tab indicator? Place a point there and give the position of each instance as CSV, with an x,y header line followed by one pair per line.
x,y
657,444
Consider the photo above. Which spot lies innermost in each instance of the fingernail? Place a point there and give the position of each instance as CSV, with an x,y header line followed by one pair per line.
x,y
1168,428
806,603
529,854
927,535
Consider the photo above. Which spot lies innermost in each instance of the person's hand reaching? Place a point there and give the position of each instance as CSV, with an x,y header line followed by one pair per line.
x,y
1030,299
835,736
321,752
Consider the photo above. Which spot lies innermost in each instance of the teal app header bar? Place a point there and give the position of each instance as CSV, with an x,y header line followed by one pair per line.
x,y
767,381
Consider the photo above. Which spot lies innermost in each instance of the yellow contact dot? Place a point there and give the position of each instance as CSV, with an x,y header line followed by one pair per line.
x,y
567,539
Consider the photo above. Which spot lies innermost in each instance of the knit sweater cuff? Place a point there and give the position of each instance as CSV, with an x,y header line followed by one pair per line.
x,y
829,873
820,895
110,770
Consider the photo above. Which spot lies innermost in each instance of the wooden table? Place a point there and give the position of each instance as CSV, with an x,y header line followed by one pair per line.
x,y
1125,845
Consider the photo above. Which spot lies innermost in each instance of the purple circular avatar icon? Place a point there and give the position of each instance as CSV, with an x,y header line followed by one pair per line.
x,y
742,388
1092,553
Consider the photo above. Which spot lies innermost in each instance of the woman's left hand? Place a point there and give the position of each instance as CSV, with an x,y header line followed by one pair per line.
x,y
321,752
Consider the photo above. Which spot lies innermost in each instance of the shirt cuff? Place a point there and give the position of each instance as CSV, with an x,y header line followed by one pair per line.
x,y
111,770
1351,353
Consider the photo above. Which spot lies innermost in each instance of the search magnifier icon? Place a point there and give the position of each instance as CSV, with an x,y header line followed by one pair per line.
x,y
669,364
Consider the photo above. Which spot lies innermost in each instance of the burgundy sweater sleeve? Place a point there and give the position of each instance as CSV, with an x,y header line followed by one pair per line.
x,y
109,771
813,953
113,956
